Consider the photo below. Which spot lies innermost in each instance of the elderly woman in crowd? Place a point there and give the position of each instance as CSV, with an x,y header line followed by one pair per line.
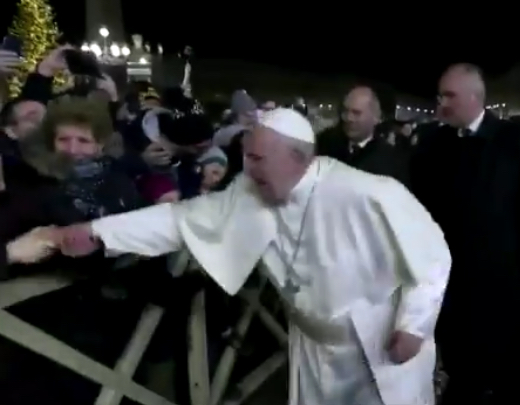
x,y
78,181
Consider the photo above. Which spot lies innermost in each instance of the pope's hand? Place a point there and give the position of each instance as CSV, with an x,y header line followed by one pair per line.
x,y
403,346
77,240
33,246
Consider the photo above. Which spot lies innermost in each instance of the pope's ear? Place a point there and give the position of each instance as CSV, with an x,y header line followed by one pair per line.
x,y
301,151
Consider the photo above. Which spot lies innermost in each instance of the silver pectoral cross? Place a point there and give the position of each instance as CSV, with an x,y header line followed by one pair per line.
x,y
290,288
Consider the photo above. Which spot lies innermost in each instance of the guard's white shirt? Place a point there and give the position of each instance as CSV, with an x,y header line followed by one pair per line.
x,y
371,261
475,124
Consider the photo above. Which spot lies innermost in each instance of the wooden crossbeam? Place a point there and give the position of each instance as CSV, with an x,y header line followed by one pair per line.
x,y
227,361
198,368
254,380
266,317
133,353
46,345
22,288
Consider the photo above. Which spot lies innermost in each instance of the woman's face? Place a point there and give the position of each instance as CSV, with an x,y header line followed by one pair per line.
x,y
76,142
212,174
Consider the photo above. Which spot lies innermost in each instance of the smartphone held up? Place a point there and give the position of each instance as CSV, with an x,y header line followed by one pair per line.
x,y
82,63
13,44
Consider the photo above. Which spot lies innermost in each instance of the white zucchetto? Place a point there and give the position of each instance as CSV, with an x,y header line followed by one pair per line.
x,y
289,123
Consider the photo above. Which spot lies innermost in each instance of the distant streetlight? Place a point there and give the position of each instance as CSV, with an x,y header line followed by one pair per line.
x,y
104,32
85,48
96,49
115,50
125,50
143,61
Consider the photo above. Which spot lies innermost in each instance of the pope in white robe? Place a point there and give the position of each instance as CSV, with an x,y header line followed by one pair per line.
x,y
360,263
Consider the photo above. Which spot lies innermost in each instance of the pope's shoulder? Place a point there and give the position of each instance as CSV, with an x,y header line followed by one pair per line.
x,y
346,184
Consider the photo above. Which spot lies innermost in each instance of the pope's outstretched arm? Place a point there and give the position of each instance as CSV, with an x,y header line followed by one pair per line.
x,y
226,232
157,230
421,255
151,231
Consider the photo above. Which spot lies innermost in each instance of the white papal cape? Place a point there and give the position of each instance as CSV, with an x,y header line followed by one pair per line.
x,y
370,261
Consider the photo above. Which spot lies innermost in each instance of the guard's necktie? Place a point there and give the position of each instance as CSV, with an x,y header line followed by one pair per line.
x,y
355,149
465,133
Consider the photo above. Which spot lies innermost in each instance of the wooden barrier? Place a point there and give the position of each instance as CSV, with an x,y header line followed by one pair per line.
x,y
117,383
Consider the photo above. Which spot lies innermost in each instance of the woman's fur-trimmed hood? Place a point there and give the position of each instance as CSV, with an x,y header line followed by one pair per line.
x,y
38,147
38,153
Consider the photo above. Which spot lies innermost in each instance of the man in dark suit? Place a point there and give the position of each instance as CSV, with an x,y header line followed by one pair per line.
x,y
467,174
353,140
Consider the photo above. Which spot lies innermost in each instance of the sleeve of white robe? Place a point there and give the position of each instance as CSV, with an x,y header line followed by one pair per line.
x,y
155,230
422,257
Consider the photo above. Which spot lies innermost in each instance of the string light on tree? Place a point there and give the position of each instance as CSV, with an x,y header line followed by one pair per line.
x,y
35,27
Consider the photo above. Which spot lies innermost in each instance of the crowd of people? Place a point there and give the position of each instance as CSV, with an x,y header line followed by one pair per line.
x,y
149,171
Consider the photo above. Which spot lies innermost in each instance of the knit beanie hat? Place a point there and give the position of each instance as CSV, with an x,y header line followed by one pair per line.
x,y
242,103
213,155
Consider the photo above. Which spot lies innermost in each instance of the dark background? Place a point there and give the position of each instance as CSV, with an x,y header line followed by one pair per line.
x,y
407,48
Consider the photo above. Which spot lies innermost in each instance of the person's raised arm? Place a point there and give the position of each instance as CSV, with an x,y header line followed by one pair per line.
x,y
38,85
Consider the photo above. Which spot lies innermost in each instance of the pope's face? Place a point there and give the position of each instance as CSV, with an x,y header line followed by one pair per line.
x,y
270,164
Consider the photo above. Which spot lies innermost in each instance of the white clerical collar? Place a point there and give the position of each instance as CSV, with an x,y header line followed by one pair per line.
x,y
475,125
364,142
302,190
360,144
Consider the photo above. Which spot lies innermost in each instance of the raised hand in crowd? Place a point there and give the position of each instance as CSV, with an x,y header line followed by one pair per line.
x,y
169,197
108,85
156,155
54,62
33,246
9,61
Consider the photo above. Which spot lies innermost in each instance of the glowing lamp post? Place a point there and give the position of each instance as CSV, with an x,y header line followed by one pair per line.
x,y
104,32
96,49
115,50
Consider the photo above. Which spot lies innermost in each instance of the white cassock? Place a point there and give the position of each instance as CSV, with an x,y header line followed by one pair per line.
x,y
369,260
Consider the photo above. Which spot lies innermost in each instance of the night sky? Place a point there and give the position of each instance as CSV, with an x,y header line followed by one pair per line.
x,y
407,51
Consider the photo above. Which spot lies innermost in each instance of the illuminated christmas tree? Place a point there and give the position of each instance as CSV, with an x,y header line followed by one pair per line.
x,y
34,25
